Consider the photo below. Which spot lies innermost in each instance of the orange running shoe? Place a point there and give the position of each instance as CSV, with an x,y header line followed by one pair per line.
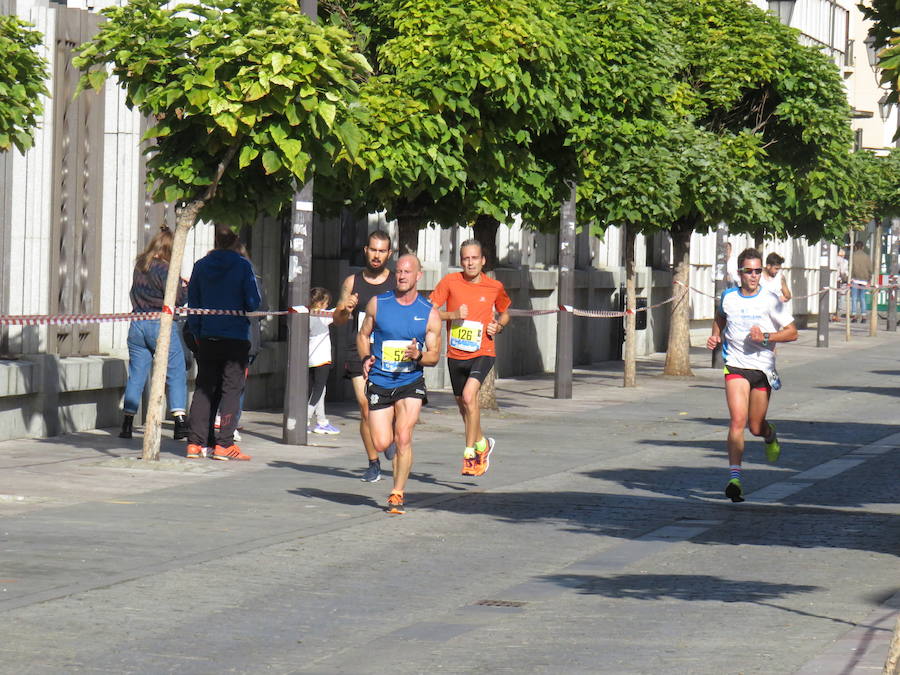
x,y
195,451
469,466
483,459
229,453
395,504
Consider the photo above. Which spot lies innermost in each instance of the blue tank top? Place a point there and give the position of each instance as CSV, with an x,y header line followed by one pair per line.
x,y
396,326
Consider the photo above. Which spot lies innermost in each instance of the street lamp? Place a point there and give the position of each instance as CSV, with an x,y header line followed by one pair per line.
x,y
871,52
884,107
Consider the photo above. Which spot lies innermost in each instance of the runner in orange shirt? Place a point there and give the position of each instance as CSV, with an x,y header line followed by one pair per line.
x,y
475,312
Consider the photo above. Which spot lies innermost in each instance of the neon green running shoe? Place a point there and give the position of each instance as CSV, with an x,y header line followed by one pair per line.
x,y
773,447
734,490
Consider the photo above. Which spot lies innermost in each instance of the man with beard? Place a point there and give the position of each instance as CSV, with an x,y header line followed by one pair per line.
x,y
749,322
400,334
356,292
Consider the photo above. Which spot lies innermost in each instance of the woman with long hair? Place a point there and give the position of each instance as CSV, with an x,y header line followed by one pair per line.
x,y
148,288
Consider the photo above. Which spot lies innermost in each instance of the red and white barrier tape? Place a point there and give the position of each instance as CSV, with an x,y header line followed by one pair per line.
x,y
74,319
842,290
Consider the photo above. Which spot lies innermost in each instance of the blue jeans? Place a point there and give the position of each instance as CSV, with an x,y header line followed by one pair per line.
x,y
858,300
142,336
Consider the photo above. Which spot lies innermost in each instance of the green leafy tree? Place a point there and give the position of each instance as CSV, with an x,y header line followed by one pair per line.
x,y
249,97
879,185
489,84
770,138
22,76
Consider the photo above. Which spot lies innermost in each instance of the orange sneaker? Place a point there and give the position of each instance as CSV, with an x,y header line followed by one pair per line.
x,y
395,504
469,466
195,451
231,452
483,459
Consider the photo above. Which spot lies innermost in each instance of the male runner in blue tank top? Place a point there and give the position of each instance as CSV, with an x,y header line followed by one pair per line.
x,y
406,335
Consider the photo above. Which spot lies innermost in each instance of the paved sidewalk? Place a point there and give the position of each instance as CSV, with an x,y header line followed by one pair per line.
x,y
599,541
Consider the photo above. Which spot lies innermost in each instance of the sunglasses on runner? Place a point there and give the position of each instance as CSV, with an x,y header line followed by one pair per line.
x,y
751,270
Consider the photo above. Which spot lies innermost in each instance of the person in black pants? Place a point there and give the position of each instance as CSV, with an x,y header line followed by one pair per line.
x,y
223,279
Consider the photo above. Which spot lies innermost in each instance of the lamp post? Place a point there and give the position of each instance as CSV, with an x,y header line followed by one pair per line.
x,y
871,51
884,107
299,263
824,296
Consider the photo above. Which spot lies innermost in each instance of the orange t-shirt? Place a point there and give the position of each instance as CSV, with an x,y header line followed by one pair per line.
x,y
468,338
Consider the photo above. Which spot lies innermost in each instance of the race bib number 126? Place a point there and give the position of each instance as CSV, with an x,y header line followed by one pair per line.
x,y
466,335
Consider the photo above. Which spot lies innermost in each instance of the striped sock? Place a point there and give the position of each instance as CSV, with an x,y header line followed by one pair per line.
x,y
735,471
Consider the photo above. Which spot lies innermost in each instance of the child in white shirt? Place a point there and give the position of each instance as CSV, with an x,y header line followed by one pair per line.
x,y
319,361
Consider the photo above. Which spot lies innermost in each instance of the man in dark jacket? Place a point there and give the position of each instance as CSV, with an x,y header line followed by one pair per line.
x,y
223,279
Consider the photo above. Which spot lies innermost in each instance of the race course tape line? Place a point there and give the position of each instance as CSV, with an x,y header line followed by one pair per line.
x,y
74,319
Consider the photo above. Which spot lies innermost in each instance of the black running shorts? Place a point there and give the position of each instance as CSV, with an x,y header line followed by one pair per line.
x,y
462,369
756,378
353,368
380,397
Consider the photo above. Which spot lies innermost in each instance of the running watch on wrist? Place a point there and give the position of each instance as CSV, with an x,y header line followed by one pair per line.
x,y
765,342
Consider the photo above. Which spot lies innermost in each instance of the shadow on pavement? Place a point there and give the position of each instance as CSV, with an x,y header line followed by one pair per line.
x,y
884,391
316,468
632,516
676,586
344,473
345,498
692,588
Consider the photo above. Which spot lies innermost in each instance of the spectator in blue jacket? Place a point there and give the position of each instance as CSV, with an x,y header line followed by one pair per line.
x,y
223,279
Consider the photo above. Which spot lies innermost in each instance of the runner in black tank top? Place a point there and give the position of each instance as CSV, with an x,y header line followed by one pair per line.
x,y
356,291
365,291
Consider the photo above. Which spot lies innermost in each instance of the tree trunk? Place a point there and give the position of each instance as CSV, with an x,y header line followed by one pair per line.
x,y
630,375
407,233
487,395
678,351
892,664
185,218
485,229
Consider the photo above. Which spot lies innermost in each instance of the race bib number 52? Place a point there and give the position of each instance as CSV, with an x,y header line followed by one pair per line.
x,y
393,357
466,335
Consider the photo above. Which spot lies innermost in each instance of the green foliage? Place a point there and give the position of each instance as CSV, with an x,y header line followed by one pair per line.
x,y
879,184
255,80
491,84
22,76
777,112
624,141
691,111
